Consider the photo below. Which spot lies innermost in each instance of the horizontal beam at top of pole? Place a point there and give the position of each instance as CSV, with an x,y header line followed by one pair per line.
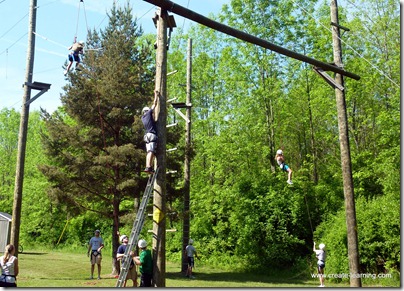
x,y
189,14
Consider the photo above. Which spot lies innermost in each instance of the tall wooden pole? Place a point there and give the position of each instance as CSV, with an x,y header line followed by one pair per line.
x,y
187,163
159,196
22,136
353,250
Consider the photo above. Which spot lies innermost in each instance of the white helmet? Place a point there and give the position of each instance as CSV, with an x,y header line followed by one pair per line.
x,y
321,246
81,42
191,241
122,237
279,152
142,244
145,109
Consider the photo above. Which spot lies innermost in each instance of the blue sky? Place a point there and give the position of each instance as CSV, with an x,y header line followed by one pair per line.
x,y
58,21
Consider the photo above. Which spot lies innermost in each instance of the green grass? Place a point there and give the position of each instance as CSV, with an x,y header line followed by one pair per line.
x,y
56,268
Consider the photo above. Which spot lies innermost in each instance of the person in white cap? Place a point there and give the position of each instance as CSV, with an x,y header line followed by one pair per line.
x,y
190,252
132,273
95,245
145,261
280,159
150,137
320,254
76,49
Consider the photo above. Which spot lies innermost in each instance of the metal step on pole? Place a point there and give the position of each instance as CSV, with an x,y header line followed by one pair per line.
x,y
136,229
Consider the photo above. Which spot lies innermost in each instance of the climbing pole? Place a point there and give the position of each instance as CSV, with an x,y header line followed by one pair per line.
x,y
136,229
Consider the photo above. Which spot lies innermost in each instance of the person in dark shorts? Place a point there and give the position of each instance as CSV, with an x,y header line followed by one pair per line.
x,y
145,261
76,50
320,254
191,254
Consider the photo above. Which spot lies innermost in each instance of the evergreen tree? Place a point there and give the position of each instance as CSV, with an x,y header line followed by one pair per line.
x,y
96,140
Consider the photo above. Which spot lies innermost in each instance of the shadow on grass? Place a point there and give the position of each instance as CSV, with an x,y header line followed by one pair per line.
x,y
237,277
31,253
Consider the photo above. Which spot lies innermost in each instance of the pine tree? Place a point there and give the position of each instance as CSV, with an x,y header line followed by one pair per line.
x,y
96,139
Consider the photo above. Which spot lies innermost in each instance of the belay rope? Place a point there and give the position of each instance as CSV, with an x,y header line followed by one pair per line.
x,y
78,18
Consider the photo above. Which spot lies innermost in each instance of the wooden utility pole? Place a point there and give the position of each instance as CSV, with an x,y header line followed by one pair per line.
x,y
353,250
22,136
159,196
187,162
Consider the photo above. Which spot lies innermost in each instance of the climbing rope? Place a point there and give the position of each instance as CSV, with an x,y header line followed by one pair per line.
x,y
78,19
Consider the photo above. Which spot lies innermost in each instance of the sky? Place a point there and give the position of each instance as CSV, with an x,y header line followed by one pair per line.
x,y
58,22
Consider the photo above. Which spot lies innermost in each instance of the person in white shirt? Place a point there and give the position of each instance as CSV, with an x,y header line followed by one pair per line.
x,y
9,267
190,252
320,254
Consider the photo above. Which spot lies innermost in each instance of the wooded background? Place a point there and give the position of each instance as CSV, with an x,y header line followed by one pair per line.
x,y
84,161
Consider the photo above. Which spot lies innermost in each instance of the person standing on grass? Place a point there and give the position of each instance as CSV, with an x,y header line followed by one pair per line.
x,y
145,261
190,252
132,273
320,254
9,267
95,246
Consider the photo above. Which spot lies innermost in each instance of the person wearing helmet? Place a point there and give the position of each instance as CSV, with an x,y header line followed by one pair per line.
x,y
190,252
280,159
76,49
145,263
95,245
132,273
320,254
150,137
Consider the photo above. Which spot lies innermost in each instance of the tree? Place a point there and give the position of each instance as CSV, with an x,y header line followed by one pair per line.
x,y
95,140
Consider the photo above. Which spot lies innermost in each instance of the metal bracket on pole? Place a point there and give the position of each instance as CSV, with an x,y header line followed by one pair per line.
x,y
170,150
327,78
43,87
182,105
171,172
170,24
172,124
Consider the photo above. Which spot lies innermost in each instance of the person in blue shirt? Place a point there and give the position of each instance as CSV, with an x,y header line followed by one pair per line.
x,y
95,245
150,137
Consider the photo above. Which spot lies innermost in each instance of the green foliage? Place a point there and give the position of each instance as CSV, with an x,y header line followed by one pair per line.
x,y
247,102
9,126
378,221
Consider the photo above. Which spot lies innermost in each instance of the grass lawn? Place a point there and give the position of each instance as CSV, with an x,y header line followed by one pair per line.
x,y
70,269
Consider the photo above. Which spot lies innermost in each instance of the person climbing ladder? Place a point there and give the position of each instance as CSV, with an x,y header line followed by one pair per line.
x,y
280,159
76,49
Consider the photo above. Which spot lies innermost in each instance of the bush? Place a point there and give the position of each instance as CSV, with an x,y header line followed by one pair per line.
x,y
378,222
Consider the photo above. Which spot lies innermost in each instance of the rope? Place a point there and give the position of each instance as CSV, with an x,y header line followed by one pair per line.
x,y
101,121
45,38
308,213
77,23
78,19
